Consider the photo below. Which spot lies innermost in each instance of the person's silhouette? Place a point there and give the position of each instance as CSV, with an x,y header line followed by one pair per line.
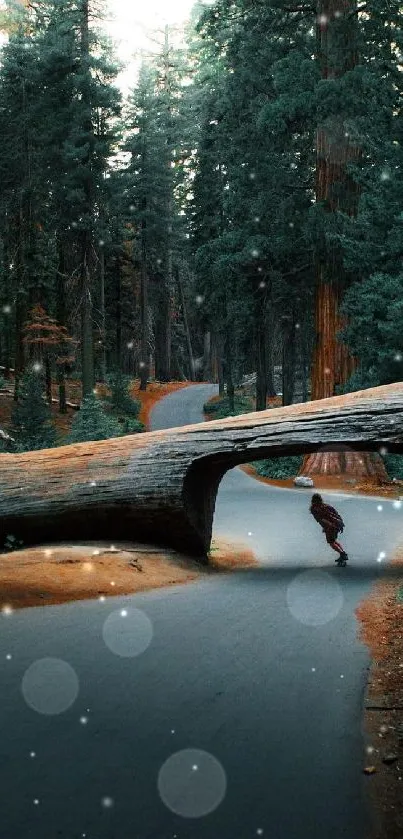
x,y
331,523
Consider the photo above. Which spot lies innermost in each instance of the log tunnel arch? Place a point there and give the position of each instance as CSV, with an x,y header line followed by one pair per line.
x,y
161,487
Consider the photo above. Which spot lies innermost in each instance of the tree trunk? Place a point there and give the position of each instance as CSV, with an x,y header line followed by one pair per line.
x,y
48,378
288,360
87,346
103,314
260,339
228,371
87,340
161,487
20,317
336,190
218,353
207,373
271,390
144,350
186,325
118,323
62,319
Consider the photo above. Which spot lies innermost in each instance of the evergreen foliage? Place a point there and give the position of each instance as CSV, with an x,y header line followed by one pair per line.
x,y
92,422
31,418
120,400
221,408
279,468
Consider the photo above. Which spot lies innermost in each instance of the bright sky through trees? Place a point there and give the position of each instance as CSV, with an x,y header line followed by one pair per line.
x,y
132,23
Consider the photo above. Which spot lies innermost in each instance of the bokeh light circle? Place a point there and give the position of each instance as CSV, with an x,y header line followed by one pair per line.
x,y
314,597
192,783
50,686
127,632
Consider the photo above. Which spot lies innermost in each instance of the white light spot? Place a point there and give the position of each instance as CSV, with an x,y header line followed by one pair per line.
x,y
83,720
254,253
397,504
383,451
370,750
96,552
101,243
36,800
252,176
130,345
102,598
257,219
262,284
113,548
37,367
190,793
398,356
379,508
313,669
88,566
107,801
93,483
32,754
130,637
199,299
385,176
172,731
6,309
7,610
194,768
323,20
342,677
250,533
314,598
113,583
142,364
124,613
132,208
50,686
8,656
259,831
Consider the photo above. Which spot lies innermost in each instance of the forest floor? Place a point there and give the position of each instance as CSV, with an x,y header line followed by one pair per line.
x,y
381,629
43,576
148,398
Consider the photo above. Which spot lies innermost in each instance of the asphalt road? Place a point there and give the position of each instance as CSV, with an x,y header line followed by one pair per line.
x,y
260,672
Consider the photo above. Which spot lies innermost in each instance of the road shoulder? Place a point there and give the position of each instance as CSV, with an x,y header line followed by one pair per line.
x,y
381,629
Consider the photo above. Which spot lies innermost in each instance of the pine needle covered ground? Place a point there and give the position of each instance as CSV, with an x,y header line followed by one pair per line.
x,y
381,616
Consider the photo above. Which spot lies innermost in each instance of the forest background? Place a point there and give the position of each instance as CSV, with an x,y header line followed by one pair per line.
x,y
237,217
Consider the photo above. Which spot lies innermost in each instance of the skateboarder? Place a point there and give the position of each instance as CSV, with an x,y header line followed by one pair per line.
x,y
332,523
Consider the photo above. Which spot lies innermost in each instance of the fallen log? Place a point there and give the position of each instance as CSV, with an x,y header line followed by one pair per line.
x,y
160,487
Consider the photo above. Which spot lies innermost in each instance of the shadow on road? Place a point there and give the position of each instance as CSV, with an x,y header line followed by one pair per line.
x,y
357,573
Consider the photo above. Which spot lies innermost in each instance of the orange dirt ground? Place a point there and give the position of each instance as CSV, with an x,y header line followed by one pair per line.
x,y
380,617
53,574
155,391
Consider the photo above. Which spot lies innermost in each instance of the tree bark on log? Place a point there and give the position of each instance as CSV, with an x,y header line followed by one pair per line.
x,y
160,487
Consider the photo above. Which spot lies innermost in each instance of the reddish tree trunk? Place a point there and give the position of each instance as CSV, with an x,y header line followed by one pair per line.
x,y
335,190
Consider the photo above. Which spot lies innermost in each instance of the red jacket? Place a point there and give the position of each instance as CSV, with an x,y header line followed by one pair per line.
x,y
328,517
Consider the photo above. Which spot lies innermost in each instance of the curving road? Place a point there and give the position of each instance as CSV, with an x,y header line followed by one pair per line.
x,y
261,671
